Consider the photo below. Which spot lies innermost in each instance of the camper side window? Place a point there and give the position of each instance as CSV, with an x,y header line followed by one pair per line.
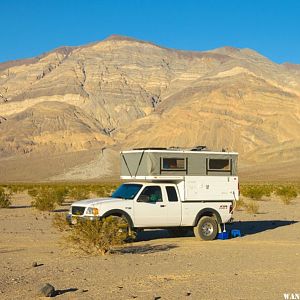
x,y
173,164
219,165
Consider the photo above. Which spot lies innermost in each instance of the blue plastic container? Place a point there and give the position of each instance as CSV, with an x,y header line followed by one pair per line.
x,y
235,233
223,236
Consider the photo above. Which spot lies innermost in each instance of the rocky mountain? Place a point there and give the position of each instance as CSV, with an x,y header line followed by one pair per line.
x,y
65,114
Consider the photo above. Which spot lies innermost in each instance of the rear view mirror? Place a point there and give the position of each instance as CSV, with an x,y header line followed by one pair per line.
x,y
143,198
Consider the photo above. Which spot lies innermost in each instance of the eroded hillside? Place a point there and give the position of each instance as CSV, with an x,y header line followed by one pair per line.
x,y
67,113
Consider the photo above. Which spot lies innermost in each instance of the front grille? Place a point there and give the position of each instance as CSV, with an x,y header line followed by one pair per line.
x,y
78,210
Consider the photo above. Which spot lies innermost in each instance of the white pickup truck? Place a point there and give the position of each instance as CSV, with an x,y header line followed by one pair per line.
x,y
163,205
172,188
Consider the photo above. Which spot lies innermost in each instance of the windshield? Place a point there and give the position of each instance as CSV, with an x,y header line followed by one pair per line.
x,y
127,191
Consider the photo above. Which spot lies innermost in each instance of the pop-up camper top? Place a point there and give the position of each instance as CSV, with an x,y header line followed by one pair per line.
x,y
176,164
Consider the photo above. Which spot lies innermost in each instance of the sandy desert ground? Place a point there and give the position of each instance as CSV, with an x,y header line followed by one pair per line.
x,y
263,264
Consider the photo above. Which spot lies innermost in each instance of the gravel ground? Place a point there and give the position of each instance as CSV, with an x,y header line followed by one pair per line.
x,y
263,264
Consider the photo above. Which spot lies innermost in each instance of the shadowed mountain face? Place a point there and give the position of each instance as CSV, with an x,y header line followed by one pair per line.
x,y
67,113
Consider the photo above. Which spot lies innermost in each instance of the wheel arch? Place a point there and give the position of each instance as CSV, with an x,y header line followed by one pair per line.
x,y
210,212
119,213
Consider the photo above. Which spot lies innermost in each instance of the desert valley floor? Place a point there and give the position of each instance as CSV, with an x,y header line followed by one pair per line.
x,y
263,264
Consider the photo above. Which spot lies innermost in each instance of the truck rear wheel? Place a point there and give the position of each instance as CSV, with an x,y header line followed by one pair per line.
x,y
206,229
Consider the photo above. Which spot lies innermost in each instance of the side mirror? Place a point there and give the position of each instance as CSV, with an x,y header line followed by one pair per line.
x,y
143,198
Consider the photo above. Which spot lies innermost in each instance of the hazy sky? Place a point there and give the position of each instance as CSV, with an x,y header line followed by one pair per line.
x,y
31,27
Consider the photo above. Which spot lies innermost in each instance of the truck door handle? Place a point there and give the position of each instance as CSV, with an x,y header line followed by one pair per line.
x,y
162,205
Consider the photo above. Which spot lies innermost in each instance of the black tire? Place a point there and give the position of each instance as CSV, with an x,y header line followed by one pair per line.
x,y
124,225
206,229
178,232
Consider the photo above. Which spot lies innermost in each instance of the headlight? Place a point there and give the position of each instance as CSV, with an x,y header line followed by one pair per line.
x,y
92,211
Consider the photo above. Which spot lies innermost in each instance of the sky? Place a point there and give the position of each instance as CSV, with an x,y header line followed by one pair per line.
x,y
30,27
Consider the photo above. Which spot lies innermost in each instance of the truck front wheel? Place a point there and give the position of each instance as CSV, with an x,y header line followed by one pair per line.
x,y
125,228
206,229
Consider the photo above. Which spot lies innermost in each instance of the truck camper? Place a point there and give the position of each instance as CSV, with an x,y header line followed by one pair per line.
x,y
172,188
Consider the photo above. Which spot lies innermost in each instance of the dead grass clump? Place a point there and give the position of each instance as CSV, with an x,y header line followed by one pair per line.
x,y
252,207
5,198
286,193
93,237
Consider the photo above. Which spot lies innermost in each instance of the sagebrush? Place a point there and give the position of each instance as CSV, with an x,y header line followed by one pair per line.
x,y
5,198
240,204
46,199
286,193
47,196
256,192
252,207
93,237
79,193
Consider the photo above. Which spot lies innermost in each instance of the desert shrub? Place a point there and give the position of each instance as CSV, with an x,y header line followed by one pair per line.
x,y
93,237
59,193
256,192
33,192
5,198
297,187
252,207
16,188
101,192
286,193
60,222
79,193
71,190
104,190
240,204
44,200
97,236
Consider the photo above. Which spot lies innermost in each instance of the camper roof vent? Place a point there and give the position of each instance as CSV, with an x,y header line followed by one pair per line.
x,y
199,148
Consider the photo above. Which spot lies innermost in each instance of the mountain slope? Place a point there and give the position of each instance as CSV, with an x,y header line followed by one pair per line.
x,y
122,93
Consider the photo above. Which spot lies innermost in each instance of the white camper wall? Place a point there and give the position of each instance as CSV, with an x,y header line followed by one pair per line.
x,y
211,188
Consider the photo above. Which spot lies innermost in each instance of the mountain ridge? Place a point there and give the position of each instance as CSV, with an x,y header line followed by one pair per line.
x,y
120,93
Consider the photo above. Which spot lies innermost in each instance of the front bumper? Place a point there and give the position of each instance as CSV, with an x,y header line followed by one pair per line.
x,y
73,219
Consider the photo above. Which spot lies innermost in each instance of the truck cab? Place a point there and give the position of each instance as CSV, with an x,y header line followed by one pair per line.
x,y
144,204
